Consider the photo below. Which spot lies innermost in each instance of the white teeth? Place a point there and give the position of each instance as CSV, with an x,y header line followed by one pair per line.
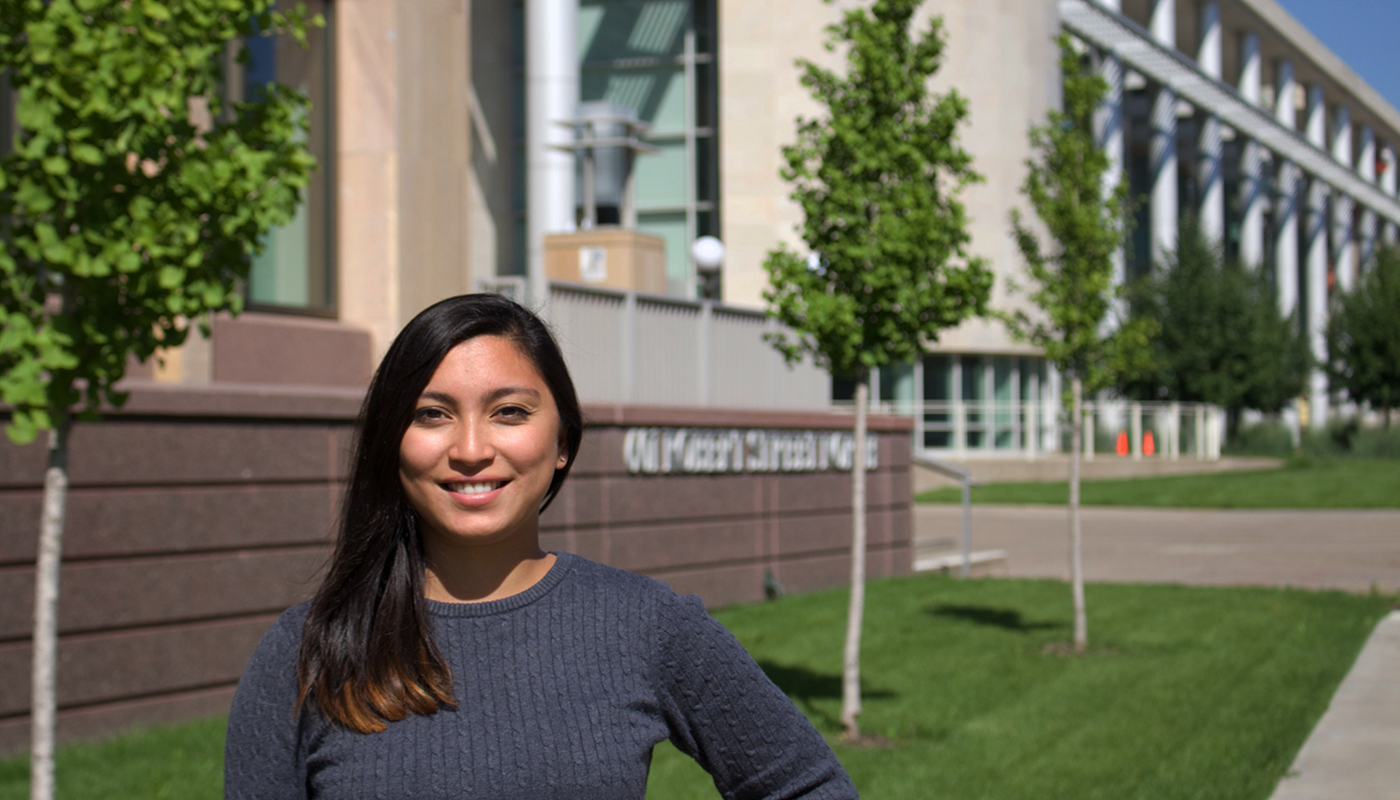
x,y
474,488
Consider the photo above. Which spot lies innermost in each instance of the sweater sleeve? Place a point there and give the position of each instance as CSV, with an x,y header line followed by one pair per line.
x,y
262,753
727,715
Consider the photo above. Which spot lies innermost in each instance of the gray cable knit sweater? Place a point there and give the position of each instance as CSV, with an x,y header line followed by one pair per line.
x,y
562,691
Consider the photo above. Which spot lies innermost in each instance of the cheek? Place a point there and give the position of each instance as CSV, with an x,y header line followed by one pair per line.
x,y
417,454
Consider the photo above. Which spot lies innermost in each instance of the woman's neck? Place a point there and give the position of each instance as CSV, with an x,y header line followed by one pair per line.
x,y
483,574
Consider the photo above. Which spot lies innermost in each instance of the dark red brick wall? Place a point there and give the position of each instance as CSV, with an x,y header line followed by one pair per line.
x,y
196,515
716,535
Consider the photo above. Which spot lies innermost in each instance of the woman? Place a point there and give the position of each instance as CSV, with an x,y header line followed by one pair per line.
x,y
446,656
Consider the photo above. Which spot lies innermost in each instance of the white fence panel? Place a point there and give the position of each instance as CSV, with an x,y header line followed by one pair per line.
x,y
667,344
589,328
746,372
628,348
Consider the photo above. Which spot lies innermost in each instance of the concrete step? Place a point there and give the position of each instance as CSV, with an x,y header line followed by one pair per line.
x,y
982,563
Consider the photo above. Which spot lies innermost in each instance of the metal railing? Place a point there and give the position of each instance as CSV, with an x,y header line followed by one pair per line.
x,y
1026,428
963,476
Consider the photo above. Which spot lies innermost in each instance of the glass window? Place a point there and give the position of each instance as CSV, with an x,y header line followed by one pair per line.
x,y
660,178
295,270
938,378
635,53
974,394
1030,368
656,95
843,389
705,96
897,383
671,228
616,29
705,170
1004,397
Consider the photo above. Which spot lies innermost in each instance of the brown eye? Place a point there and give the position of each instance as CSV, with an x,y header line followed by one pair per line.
x,y
428,415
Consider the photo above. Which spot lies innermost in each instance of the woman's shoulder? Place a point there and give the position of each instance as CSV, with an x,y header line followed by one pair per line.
x,y
622,584
281,642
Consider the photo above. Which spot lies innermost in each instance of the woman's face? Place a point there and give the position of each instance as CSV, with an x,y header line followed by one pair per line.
x,y
481,448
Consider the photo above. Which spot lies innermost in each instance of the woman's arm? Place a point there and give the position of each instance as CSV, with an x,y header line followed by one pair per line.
x,y
262,753
727,715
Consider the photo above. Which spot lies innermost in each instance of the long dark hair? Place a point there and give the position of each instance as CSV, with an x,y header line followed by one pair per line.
x,y
367,651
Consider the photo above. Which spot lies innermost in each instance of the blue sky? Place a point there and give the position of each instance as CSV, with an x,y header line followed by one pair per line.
x,y
1365,33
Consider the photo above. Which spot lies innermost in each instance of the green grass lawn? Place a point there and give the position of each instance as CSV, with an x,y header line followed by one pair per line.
x,y
165,763
1339,483
1186,693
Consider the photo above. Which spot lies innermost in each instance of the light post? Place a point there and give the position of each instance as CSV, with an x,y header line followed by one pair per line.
x,y
708,254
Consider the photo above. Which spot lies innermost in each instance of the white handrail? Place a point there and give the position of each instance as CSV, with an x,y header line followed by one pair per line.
x,y
1140,425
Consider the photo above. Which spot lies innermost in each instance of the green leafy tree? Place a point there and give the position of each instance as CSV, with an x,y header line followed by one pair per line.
x,y
1073,276
1222,339
1363,336
130,202
878,177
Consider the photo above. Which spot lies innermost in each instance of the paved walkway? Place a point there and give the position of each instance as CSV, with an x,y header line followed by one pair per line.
x,y
1350,550
1354,752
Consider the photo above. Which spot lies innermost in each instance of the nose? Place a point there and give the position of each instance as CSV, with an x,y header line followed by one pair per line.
x,y
472,447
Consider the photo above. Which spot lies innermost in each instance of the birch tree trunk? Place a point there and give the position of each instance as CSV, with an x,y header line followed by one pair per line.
x,y
41,765
1076,538
850,673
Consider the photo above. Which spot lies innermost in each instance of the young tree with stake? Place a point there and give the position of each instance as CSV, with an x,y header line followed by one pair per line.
x,y
1074,286
878,177
130,203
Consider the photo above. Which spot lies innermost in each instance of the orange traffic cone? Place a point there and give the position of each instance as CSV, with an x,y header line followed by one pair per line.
x,y
1122,447
1148,446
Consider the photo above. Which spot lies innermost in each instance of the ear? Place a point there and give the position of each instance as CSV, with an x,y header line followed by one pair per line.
x,y
562,461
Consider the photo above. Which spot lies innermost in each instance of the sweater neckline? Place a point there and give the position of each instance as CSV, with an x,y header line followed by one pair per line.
x,y
563,565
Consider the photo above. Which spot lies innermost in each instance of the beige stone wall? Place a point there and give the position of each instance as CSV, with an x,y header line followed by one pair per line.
x,y
404,159
1000,55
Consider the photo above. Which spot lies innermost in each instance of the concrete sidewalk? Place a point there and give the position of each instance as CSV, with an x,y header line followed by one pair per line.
x,y
1321,549
1354,752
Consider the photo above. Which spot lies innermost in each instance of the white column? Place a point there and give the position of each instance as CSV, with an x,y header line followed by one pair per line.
x,y
1388,185
959,409
1366,168
1315,318
1108,133
551,94
1135,430
1286,204
1343,207
1174,431
1210,170
1251,159
1163,163
918,405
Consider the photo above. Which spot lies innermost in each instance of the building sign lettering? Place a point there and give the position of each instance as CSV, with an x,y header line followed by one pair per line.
x,y
661,451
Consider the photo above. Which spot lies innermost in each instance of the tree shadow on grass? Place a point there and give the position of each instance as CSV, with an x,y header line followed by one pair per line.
x,y
1005,618
804,686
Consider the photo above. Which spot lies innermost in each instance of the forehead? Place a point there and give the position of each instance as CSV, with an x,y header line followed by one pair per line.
x,y
487,362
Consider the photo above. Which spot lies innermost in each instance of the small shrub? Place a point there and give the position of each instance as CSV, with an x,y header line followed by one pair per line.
x,y
1346,438
1266,438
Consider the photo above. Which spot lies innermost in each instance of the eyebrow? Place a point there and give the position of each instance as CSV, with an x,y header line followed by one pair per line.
x,y
504,391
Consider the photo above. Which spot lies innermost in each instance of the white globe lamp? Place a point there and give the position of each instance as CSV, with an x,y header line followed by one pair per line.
x,y
708,253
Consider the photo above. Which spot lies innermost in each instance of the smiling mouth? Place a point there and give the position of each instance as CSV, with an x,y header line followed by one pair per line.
x,y
474,487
